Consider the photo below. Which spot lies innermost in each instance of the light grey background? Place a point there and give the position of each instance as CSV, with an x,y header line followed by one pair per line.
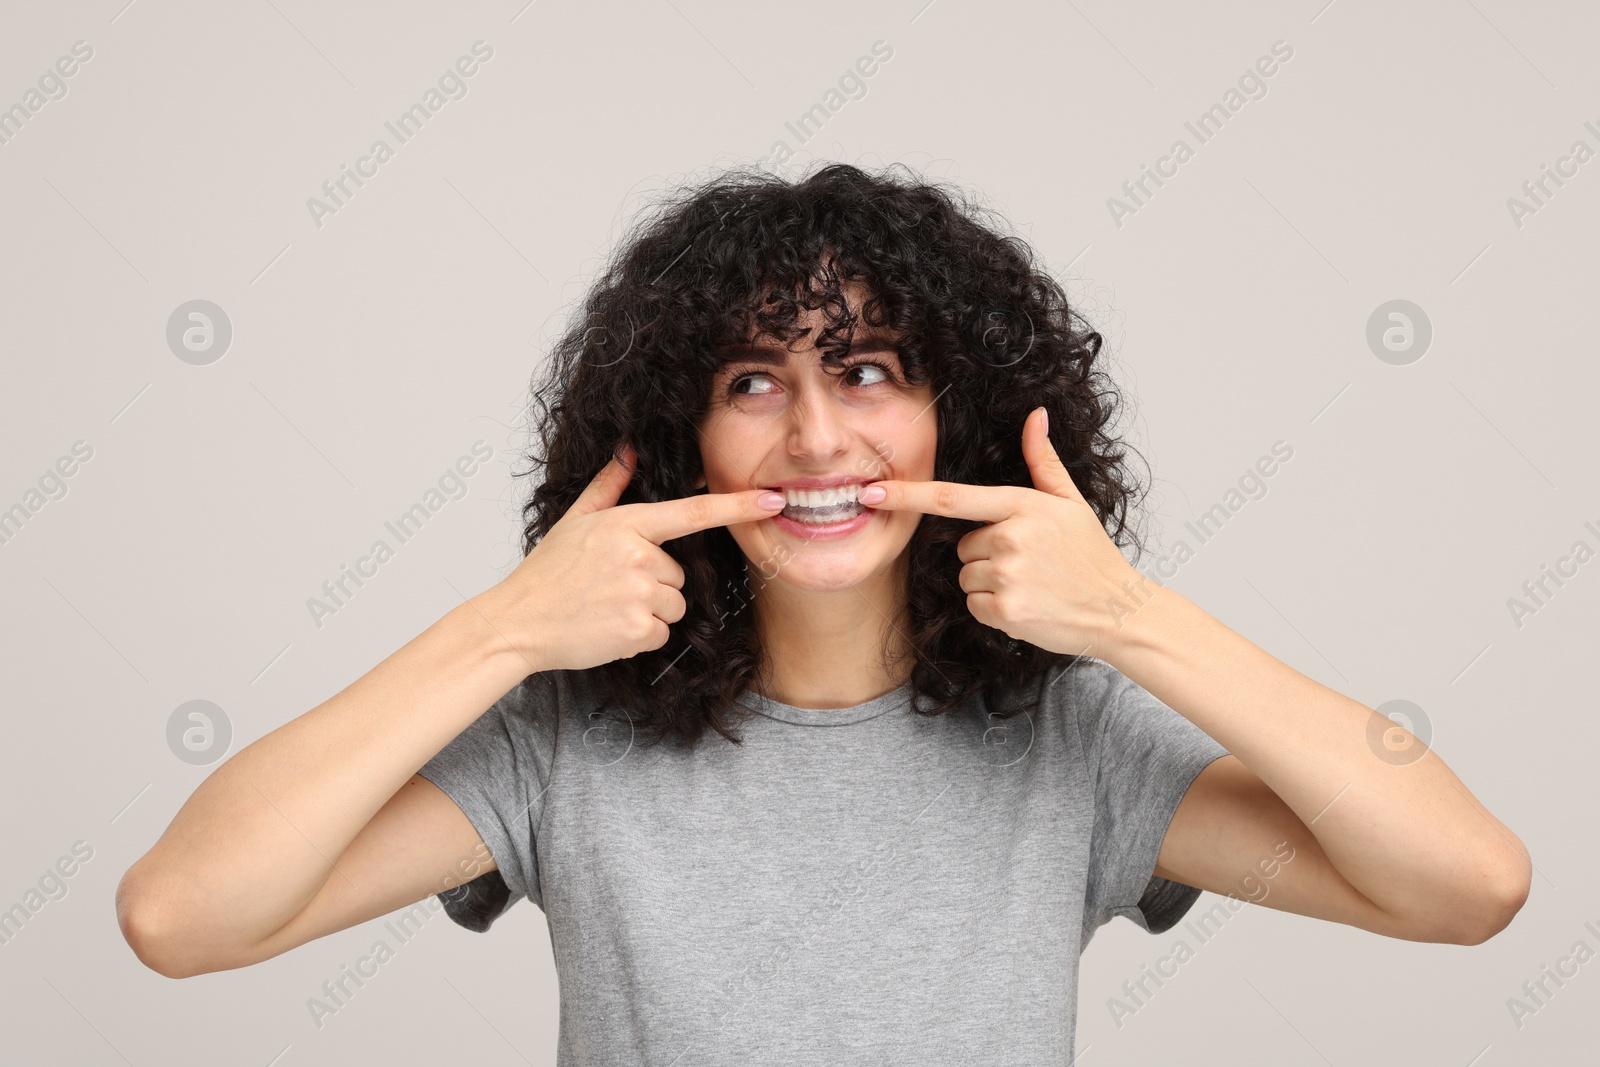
x,y
371,352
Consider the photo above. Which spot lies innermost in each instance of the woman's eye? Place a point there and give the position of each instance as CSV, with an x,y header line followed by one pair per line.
x,y
734,386
869,366
737,384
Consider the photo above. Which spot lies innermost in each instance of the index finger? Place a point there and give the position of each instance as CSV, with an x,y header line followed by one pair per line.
x,y
663,520
955,500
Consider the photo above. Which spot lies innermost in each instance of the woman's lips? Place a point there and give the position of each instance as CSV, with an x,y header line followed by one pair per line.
x,y
829,532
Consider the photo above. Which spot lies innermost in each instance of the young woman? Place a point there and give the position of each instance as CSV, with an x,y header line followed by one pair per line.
x,y
823,717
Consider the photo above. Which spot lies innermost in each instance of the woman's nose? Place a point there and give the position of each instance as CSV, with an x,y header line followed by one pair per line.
x,y
818,427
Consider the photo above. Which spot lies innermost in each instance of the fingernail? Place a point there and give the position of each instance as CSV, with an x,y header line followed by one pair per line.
x,y
1045,419
771,501
873,494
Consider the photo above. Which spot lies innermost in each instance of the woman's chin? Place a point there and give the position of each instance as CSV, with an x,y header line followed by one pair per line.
x,y
825,579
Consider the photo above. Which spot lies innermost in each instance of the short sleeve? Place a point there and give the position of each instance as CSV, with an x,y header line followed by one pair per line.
x,y
497,771
1143,756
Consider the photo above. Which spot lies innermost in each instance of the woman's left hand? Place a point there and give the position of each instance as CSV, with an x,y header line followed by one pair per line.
x,y
1043,570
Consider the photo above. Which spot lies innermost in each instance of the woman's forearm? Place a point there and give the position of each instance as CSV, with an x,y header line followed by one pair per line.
x,y
1405,833
260,836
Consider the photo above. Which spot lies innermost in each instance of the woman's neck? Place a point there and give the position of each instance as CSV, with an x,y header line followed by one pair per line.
x,y
827,649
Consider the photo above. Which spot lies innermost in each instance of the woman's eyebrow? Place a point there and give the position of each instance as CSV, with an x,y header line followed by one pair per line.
x,y
745,351
874,340
864,341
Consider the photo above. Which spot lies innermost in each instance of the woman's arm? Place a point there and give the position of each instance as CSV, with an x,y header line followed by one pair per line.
x,y
271,830
261,856
251,864
1400,846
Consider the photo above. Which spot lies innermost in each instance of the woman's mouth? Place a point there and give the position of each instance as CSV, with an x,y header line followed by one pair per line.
x,y
822,507
823,513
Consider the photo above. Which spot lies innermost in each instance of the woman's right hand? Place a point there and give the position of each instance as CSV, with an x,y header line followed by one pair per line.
x,y
598,587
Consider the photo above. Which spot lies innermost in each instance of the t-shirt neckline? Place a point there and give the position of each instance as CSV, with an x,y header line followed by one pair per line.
x,y
893,700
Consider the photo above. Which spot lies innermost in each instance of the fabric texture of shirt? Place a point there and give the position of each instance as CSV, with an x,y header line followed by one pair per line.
x,y
859,884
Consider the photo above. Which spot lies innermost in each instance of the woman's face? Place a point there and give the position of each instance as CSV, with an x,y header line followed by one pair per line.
x,y
776,419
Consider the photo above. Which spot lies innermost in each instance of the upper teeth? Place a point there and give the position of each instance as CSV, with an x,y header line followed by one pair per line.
x,y
821,498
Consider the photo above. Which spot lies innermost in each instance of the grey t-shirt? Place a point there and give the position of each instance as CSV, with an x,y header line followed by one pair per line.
x,y
850,885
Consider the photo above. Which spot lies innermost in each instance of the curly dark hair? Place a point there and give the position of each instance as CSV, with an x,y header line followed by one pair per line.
x,y
738,257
